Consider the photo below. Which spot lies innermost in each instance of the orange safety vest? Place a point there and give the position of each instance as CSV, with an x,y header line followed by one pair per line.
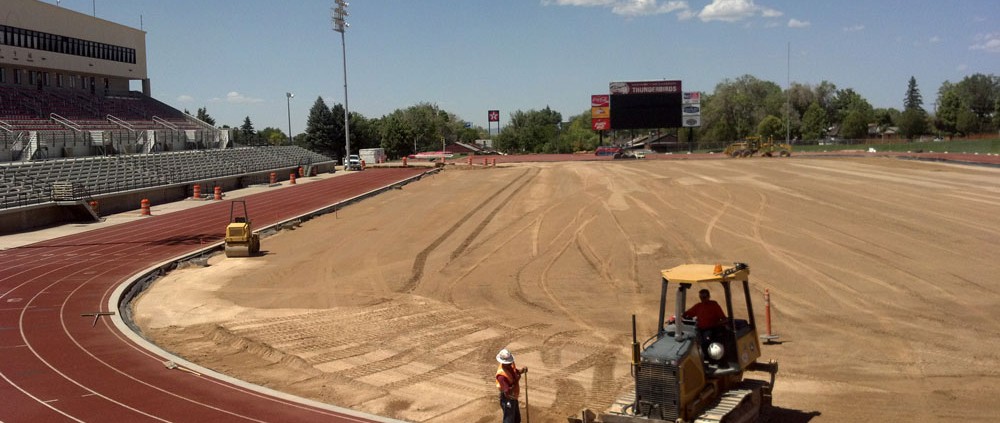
x,y
513,379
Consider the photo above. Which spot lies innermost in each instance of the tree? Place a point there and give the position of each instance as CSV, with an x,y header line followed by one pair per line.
x,y
737,107
949,106
885,118
273,136
395,135
203,116
913,98
247,128
846,101
913,123
771,128
980,93
825,92
534,131
801,96
814,123
967,122
855,125
321,131
578,135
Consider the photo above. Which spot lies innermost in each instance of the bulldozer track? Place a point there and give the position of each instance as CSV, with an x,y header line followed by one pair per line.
x,y
420,261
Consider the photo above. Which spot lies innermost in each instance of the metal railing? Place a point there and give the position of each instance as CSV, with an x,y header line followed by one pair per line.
x,y
65,122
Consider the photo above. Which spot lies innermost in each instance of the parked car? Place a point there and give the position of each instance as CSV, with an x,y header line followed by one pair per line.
x,y
353,162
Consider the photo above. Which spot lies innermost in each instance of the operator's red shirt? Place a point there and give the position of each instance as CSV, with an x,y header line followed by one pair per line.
x,y
709,314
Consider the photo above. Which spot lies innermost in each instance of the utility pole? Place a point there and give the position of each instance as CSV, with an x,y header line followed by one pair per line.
x,y
339,25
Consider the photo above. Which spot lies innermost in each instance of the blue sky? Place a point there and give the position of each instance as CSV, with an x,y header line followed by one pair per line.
x,y
238,58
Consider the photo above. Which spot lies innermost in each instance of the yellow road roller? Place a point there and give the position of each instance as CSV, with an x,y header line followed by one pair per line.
x,y
240,239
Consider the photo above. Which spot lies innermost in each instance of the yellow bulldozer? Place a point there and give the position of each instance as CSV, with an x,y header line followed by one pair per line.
x,y
686,375
754,145
241,241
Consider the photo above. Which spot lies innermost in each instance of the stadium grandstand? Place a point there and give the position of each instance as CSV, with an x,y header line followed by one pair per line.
x,y
73,132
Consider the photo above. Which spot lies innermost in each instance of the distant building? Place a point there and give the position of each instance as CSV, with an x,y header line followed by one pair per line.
x,y
44,45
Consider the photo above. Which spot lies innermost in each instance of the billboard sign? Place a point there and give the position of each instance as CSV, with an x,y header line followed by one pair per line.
x,y
600,112
646,87
600,124
691,110
692,121
693,97
494,115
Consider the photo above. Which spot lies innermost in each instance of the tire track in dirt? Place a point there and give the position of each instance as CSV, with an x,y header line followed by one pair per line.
x,y
537,218
421,259
572,396
489,217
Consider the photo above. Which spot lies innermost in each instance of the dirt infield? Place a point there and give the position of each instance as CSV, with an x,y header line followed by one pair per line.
x,y
882,275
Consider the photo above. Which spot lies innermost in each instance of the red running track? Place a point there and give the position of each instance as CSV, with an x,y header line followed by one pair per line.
x,y
57,366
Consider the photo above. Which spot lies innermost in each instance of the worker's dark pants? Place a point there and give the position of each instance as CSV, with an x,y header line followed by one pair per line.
x,y
511,411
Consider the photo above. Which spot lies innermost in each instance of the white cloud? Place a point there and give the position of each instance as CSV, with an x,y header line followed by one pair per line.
x,y
735,10
717,10
184,98
686,14
935,39
648,7
962,67
854,28
987,42
770,13
795,23
236,98
585,3
630,7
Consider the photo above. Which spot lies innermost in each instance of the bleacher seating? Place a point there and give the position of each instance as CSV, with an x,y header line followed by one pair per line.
x,y
23,183
30,109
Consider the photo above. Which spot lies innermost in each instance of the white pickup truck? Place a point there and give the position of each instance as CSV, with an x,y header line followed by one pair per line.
x,y
353,162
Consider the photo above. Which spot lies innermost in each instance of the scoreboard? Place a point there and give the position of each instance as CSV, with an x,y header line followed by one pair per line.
x,y
641,105
638,111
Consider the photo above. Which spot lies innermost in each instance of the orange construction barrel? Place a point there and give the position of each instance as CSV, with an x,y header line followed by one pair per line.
x,y
144,207
291,178
197,192
274,177
218,192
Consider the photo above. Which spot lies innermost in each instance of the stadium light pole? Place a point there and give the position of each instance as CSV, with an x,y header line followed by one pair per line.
x,y
339,25
288,101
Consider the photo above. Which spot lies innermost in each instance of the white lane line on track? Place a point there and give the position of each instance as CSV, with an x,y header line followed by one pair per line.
x,y
219,379
62,314
125,334
57,371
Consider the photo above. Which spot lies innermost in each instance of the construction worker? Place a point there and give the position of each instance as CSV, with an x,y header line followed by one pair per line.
x,y
508,381
708,313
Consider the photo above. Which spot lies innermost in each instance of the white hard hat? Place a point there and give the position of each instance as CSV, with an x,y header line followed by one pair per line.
x,y
505,357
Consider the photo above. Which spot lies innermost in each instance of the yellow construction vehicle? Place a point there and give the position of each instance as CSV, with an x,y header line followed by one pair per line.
x,y
753,145
683,374
241,241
